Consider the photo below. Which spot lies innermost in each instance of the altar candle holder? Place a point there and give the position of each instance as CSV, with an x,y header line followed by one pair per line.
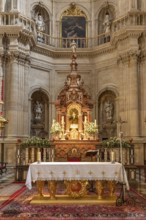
x,y
113,156
38,156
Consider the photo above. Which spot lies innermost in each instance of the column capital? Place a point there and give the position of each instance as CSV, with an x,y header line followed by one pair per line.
x,y
130,55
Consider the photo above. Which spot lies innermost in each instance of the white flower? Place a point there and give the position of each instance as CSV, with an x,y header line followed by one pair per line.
x,y
56,128
91,128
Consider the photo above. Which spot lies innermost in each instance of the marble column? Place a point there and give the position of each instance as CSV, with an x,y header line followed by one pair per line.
x,y
133,95
12,81
2,3
1,80
14,5
132,4
26,103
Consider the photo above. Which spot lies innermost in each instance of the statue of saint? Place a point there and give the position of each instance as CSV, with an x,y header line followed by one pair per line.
x,y
108,108
106,23
40,25
38,110
74,47
73,118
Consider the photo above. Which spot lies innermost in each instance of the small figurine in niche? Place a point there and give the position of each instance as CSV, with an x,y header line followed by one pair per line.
x,y
38,110
106,23
108,107
40,25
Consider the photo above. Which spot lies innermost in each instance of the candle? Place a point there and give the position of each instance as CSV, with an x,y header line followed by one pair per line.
x,y
38,156
113,156
62,119
85,120
53,121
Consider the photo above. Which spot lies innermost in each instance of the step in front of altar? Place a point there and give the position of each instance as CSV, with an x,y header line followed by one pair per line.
x,y
66,200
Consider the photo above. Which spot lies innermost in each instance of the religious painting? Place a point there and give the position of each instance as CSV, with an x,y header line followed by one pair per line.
x,y
74,28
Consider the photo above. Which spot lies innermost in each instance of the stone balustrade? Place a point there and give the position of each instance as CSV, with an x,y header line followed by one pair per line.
x,y
136,18
133,18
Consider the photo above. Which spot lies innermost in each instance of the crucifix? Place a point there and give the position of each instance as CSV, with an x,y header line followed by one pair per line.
x,y
120,135
119,126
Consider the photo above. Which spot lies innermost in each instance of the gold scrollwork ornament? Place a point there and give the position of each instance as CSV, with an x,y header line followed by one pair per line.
x,y
76,188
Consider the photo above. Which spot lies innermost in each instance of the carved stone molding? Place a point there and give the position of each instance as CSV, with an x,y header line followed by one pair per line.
x,y
125,33
73,10
10,30
19,57
127,56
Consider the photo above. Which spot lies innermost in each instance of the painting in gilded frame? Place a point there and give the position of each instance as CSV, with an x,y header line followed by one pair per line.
x,y
74,27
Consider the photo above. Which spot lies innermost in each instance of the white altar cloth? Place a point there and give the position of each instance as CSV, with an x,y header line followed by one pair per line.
x,y
76,171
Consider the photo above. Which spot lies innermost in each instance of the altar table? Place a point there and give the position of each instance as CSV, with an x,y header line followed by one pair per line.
x,y
76,176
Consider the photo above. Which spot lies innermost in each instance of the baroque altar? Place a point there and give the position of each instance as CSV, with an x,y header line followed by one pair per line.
x,y
76,178
74,115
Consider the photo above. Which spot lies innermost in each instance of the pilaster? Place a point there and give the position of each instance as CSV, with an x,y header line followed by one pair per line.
x,y
132,4
16,92
130,92
134,94
2,5
1,83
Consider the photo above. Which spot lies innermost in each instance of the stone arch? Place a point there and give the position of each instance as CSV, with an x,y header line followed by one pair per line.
x,y
40,8
80,8
73,23
105,9
107,112
74,106
39,113
73,122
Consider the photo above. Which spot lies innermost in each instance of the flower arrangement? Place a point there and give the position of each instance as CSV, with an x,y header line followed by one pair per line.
x,y
35,142
90,128
114,142
56,128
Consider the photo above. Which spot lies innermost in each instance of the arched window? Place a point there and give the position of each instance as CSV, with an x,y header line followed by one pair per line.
x,y
105,18
41,17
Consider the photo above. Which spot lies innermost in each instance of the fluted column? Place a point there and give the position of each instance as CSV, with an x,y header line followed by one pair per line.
x,y
1,5
80,123
12,83
25,102
1,80
14,5
133,95
132,4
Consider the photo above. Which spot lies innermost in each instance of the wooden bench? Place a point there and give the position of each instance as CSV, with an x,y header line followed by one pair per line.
x,y
3,167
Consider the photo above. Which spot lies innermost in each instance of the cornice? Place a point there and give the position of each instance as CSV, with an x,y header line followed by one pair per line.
x,y
27,37
125,33
10,30
66,52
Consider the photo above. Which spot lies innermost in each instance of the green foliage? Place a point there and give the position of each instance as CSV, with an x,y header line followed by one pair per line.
x,y
35,142
114,142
